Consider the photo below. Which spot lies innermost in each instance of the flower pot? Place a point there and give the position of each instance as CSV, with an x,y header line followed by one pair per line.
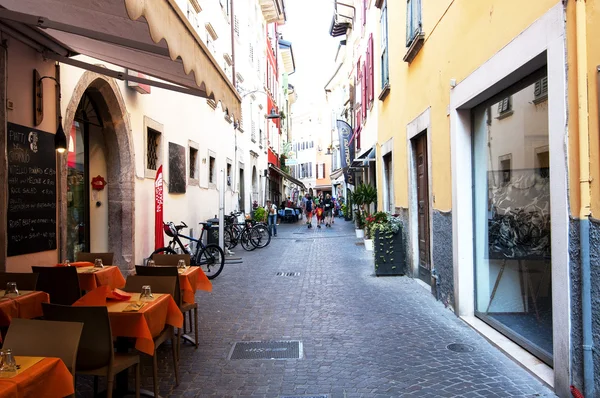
x,y
369,245
360,233
388,252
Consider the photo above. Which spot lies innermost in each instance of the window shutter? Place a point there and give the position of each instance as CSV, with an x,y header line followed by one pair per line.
x,y
364,12
323,174
538,88
364,90
371,66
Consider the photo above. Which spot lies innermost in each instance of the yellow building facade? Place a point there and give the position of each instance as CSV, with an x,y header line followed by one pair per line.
x,y
488,149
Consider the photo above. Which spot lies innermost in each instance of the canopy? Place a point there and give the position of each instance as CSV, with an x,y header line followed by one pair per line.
x,y
148,36
286,176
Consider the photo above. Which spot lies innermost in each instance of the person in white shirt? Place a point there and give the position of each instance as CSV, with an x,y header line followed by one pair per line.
x,y
271,209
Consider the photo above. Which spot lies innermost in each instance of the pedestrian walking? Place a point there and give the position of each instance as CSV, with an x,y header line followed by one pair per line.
x,y
319,211
271,209
328,209
308,205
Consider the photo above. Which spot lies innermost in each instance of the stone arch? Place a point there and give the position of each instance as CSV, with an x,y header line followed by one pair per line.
x,y
116,130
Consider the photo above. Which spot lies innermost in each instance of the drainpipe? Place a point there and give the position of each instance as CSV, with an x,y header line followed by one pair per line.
x,y
585,201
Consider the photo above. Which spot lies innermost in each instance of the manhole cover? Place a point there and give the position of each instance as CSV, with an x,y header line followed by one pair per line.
x,y
266,350
458,347
305,396
360,243
288,274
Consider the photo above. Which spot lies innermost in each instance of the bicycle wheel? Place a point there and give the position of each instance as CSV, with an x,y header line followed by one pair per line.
x,y
230,242
260,236
211,258
246,240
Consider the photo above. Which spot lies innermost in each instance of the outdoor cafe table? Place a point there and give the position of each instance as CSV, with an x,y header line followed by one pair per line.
x,y
37,377
27,305
90,277
145,324
190,280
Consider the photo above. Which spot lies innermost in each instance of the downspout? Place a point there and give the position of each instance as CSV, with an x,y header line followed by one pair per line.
x,y
585,201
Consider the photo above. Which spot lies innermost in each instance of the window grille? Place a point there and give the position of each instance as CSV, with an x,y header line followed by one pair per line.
x,y
413,20
236,26
193,162
251,53
153,140
211,170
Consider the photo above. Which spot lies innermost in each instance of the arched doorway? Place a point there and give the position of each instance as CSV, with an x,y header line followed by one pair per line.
x,y
99,143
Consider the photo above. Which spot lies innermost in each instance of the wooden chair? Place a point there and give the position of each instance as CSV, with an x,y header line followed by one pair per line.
x,y
61,283
34,338
166,285
96,356
170,259
107,258
186,308
24,280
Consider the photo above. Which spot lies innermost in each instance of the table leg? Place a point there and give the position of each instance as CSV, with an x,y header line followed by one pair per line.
x,y
496,285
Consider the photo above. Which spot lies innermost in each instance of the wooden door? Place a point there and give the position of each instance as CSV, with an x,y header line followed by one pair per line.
x,y
423,207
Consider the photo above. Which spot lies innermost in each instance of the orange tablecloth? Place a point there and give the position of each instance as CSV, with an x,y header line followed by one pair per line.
x,y
28,305
47,378
192,279
146,323
110,276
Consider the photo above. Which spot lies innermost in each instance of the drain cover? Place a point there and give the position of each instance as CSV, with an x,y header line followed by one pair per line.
x,y
288,274
359,243
305,396
458,347
266,350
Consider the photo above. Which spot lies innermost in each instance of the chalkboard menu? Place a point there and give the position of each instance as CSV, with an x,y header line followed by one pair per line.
x,y
31,190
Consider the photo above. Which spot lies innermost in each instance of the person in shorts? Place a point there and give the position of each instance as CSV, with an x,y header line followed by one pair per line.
x,y
308,205
319,211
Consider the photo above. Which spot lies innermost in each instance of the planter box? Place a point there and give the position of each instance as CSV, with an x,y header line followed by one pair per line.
x,y
389,254
369,244
360,233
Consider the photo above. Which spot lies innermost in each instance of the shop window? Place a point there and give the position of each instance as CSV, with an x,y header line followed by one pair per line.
x,y
512,219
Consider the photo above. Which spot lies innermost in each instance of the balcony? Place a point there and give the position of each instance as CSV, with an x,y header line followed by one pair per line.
x,y
273,11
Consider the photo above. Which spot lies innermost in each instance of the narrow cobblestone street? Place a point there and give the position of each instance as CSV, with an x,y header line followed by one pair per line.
x,y
363,336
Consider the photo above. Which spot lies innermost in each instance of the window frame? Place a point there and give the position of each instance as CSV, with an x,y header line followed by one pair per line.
x,y
414,21
193,180
211,169
385,65
150,124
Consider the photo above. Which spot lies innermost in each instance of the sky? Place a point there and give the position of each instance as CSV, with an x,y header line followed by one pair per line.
x,y
307,27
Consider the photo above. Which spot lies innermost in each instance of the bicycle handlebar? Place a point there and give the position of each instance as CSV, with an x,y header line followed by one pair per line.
x,y
184,224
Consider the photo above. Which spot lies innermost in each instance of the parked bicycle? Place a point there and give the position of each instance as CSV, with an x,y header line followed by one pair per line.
x,y
209,257
249,234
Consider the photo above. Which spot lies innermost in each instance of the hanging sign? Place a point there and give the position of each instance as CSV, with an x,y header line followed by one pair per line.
x,y
159,239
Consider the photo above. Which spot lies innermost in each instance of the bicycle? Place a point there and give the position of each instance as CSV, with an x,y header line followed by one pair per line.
x,y
251,235
209,257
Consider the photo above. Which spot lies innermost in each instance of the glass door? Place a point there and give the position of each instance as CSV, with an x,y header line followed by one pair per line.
x,y
512,217
77,192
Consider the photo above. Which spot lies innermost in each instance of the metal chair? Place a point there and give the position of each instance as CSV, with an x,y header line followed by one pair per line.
x,y
170,259
96,356
61,283
35,338
24,280
166,285
107,258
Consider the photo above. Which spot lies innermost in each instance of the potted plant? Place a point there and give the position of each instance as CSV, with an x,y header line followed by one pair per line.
x,y
388,248
368,196
260,214
371,222
359,220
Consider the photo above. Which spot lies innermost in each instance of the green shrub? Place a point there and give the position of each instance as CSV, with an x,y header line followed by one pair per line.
x,y
260,214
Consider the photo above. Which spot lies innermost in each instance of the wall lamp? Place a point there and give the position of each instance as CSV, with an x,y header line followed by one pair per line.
x,y
60,138
273,114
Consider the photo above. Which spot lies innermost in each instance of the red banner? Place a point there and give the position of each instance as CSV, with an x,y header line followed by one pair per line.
x,y
159,239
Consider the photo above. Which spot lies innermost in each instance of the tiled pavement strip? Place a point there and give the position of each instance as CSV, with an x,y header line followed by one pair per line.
x,y
363,336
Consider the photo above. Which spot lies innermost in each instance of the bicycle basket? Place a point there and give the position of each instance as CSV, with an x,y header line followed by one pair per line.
x,y
170,229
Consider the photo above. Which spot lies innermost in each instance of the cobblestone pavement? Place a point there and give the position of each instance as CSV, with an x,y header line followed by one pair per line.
x,y
363,336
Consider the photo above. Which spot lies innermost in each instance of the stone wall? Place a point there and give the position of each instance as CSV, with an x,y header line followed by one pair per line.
x,y
576,325
442,255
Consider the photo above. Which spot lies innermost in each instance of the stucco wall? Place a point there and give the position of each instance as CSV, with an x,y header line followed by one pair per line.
x,y
442,255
